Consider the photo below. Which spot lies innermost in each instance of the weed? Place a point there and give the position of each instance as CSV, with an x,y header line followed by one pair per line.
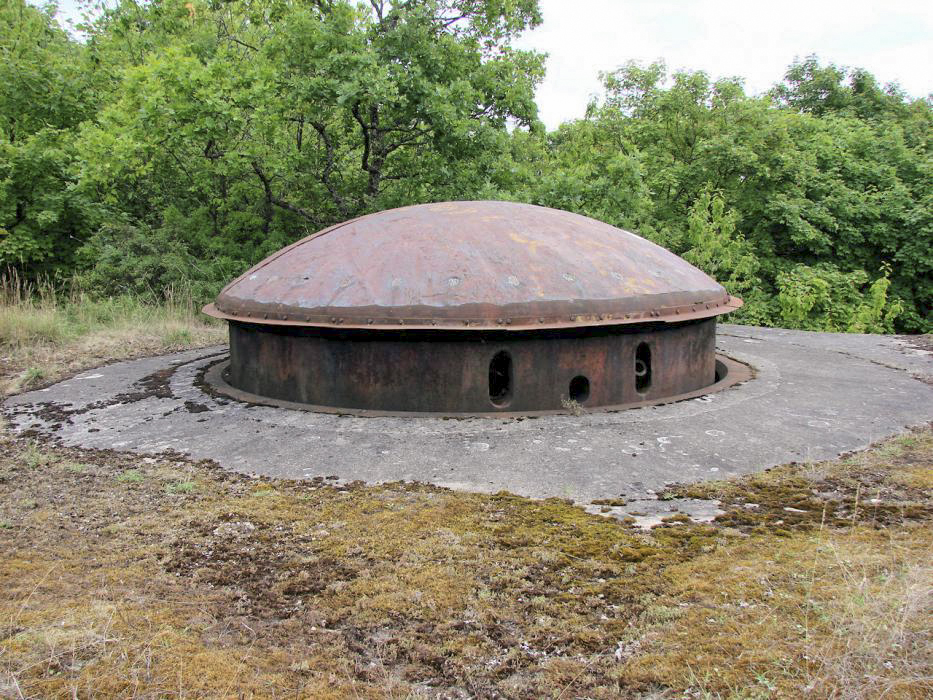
x,y
132,476
178,336
47,332
572,405
611,502
34,456
32,375
181,487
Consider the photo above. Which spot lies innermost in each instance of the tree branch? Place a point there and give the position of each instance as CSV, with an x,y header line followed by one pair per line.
x,y
329,167
272,199
365,129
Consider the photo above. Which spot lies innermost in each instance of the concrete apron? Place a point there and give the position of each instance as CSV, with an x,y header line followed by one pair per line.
x,y
815,396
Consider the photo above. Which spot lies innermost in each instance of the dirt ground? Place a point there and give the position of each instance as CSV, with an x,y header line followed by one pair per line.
x,y
159,577
129,576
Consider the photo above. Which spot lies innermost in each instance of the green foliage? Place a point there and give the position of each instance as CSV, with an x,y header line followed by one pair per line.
x,y
875,313
823,180
181,487
823,298
122,259
32,375
236,128
130,476
45,92
713,245
184,140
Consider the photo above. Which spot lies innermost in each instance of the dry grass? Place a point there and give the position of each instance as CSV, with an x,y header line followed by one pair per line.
x,y
157,577
123,576
841,614
46,335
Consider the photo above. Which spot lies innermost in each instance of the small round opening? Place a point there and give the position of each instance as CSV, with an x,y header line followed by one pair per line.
x,y
579,389
642,368
500,379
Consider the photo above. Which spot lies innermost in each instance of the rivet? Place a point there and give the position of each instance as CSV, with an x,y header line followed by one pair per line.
x,y
508,321
333,319
265,315
369,321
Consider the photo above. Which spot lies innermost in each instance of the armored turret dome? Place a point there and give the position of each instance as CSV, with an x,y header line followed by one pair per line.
x,y
471,265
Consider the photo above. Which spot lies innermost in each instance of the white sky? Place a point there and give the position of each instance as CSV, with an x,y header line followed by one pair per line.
x,y
753,39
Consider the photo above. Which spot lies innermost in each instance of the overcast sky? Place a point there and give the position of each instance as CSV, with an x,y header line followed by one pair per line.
x,y
754,39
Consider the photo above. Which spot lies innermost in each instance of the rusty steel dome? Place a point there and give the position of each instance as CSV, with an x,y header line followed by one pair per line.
x,y
471,307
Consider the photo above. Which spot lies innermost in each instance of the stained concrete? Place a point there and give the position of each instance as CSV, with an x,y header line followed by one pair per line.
x,y
815,395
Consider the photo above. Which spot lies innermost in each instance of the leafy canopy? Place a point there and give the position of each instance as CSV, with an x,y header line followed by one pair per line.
x,y
181,141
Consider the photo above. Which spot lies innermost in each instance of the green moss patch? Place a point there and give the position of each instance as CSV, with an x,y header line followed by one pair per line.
x,y
188,577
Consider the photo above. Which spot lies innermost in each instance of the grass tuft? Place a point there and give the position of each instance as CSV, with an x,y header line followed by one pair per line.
x,y
45,333
130,476
181,487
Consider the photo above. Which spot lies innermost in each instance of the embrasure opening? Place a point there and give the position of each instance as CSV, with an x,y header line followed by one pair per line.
x,y
642,368
500,379
579,389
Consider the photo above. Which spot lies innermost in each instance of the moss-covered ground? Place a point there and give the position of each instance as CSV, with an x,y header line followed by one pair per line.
x,y
158,577
126,576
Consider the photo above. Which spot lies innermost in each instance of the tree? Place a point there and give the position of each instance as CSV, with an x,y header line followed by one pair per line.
x,y
46,90
183,140
819,182
262,122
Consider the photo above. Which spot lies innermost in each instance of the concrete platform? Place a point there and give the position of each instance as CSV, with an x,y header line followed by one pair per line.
x,y
815,395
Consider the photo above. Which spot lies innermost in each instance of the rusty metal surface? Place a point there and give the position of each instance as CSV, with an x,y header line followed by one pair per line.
x,y
471,266
728,373
448,372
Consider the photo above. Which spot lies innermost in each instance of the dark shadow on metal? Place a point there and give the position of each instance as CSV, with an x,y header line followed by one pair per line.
x,y
472,308
729,373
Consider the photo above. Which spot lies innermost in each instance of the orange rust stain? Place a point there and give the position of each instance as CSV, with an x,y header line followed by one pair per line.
x,y
532,245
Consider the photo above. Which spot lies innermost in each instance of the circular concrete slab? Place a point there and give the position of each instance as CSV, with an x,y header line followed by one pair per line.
x,y
815,395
